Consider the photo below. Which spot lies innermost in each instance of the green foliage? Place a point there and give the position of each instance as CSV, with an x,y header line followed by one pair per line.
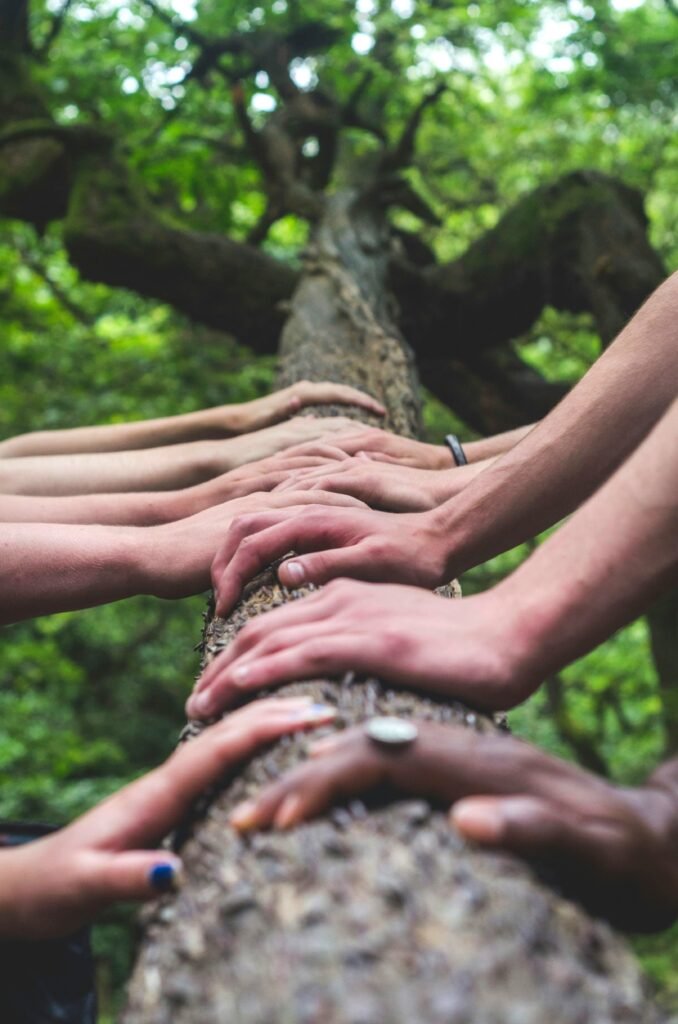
x,y
533,89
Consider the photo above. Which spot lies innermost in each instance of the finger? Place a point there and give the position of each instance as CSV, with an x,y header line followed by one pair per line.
x,y
317,657
383,457
343,394
250,547
143,812
230,679
313,450
308,610
250,544
318,497
533,826
310,789
131,875
353,562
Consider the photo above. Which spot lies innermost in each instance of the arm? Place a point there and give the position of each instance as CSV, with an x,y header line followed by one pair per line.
x,y
489,447
577,446
217,423
156,469
598,572
385,485
614,849
383,446
551,472
53,886
151,508
52,567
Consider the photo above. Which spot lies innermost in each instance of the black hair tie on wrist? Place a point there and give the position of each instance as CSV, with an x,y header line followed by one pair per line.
x,y
454,444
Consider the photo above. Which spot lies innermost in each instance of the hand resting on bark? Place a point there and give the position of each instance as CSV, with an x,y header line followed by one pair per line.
x,y
614,848
54,885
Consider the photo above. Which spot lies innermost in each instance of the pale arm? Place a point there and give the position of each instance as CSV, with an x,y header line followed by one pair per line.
x,y
52,567
598,572
156,469
577,446
206,424
489,447
151,508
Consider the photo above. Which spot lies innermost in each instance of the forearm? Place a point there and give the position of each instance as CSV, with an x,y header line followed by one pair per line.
x,y
489,447
605,566
47,568
153,469
567,456
123,509
448,483
195,426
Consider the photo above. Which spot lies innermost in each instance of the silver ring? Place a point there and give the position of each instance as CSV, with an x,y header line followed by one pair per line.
x,y
389,731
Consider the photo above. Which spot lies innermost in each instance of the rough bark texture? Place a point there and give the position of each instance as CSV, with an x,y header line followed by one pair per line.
x,y
370,915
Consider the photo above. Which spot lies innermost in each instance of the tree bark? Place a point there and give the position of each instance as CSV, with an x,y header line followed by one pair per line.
x,y
369,915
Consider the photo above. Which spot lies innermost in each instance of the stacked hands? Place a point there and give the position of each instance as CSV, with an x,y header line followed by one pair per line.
x,y
380,520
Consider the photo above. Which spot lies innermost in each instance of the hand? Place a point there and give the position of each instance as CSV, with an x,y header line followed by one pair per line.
x,y
378,546
280,405
264,475
55,885
383,446
259,444
617,849
173,560
466,649
391,487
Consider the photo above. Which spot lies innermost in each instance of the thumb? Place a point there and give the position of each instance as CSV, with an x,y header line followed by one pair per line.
x,y
322,566
133,875
522,823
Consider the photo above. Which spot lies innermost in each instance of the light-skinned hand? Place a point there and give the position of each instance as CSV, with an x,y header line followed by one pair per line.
x,y
331,542
54,885
467,649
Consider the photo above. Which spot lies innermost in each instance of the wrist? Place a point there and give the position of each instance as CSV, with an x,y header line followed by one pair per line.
x,y
438,456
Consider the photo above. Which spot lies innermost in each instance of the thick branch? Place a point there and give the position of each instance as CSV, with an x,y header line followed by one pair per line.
x,y
114,235
580,245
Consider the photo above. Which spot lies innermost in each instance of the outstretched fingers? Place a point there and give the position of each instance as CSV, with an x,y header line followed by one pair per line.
x,y
143,812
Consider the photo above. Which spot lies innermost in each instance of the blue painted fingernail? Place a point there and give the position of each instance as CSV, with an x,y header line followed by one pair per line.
x,y
163,877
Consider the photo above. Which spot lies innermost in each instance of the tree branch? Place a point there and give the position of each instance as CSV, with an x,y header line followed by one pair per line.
x,y
115,236
579,244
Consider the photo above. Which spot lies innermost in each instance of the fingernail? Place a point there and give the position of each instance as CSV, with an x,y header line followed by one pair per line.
x,y
295,572
244,817
240,674
316,711
200,705
164,877
479,820
288,813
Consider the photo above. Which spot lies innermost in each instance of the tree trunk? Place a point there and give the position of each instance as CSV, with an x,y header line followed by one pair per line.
x,y
363,917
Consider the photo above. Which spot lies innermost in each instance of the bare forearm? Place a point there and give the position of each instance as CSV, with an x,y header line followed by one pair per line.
x,y
153,469
499,444
117,437
606,564
171,467
47,568
577,446
131,509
